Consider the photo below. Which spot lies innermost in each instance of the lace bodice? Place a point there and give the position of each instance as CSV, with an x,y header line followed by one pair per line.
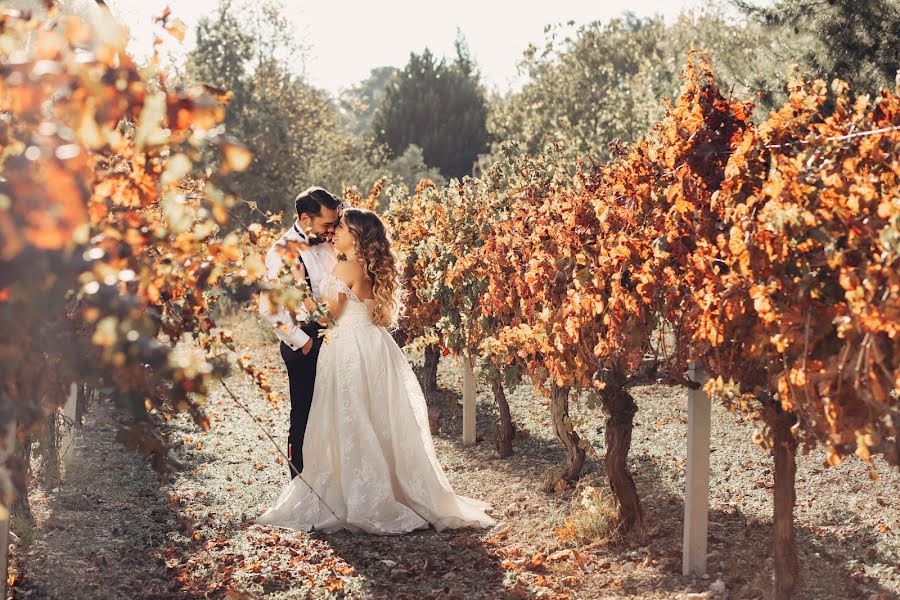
x,y
356,311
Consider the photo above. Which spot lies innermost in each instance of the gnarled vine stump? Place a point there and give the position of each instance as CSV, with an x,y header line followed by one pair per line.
x,y
561,476
620,409
505,429
430,387
787,566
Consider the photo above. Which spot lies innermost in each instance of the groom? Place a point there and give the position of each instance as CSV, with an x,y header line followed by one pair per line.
x,y
318,213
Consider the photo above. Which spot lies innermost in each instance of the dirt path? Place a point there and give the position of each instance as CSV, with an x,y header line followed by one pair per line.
x,y
98,535
847,524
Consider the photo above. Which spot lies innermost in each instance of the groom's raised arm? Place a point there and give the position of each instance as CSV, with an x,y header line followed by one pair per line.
x,y
286,328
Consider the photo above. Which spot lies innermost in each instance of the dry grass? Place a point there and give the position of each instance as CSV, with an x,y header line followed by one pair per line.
x,y
593,516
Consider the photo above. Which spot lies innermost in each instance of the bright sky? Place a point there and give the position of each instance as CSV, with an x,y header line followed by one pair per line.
x,y
350,37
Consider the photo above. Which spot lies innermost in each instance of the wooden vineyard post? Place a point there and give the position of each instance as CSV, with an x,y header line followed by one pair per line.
x,y
468,400
696,496
69,422
5,453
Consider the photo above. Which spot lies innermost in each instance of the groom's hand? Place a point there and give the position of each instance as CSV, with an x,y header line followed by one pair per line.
x,y
299,272
307,347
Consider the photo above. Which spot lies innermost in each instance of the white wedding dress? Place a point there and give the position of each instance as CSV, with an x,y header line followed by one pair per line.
x,y
368,452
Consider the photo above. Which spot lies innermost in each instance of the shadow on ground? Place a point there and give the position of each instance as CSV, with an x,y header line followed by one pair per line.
x,y
423,564
101,534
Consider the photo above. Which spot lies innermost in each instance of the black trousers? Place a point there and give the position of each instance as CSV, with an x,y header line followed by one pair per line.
x,y
301,370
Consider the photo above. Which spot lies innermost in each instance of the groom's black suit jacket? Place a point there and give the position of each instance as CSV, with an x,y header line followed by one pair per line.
x,y
301,370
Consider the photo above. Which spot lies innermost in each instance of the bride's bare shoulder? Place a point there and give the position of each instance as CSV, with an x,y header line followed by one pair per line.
x,y
349,272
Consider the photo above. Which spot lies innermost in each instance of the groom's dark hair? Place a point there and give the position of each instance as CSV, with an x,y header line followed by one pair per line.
x,y
311,200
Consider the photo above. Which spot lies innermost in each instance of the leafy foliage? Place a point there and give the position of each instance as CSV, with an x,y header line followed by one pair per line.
x,y
111,243
298,135
811,206
765,253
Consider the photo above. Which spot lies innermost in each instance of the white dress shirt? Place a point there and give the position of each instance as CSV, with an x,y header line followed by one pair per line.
x,y
319,260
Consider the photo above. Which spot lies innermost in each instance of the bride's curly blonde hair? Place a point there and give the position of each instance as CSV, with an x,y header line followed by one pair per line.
x,y
373,247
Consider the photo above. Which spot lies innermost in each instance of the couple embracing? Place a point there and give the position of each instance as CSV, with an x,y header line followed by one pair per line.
x,y
361,452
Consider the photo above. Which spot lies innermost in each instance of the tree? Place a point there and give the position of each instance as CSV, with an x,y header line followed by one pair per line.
x,y
282,119
295,131
852,40
349,157
586,90
770,253
606,81
464,59
409,169
738,46
440,108
347,162
360,102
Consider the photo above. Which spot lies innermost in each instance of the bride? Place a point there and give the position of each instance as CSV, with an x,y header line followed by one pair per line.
x,y
369,461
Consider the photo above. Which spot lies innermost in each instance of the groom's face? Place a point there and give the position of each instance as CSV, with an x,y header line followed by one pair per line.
x,y
323,224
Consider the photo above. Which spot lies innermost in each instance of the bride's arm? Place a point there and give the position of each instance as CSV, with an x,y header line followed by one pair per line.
x,y
335,306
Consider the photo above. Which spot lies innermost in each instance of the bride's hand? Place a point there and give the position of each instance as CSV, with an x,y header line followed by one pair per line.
x,y
310,303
